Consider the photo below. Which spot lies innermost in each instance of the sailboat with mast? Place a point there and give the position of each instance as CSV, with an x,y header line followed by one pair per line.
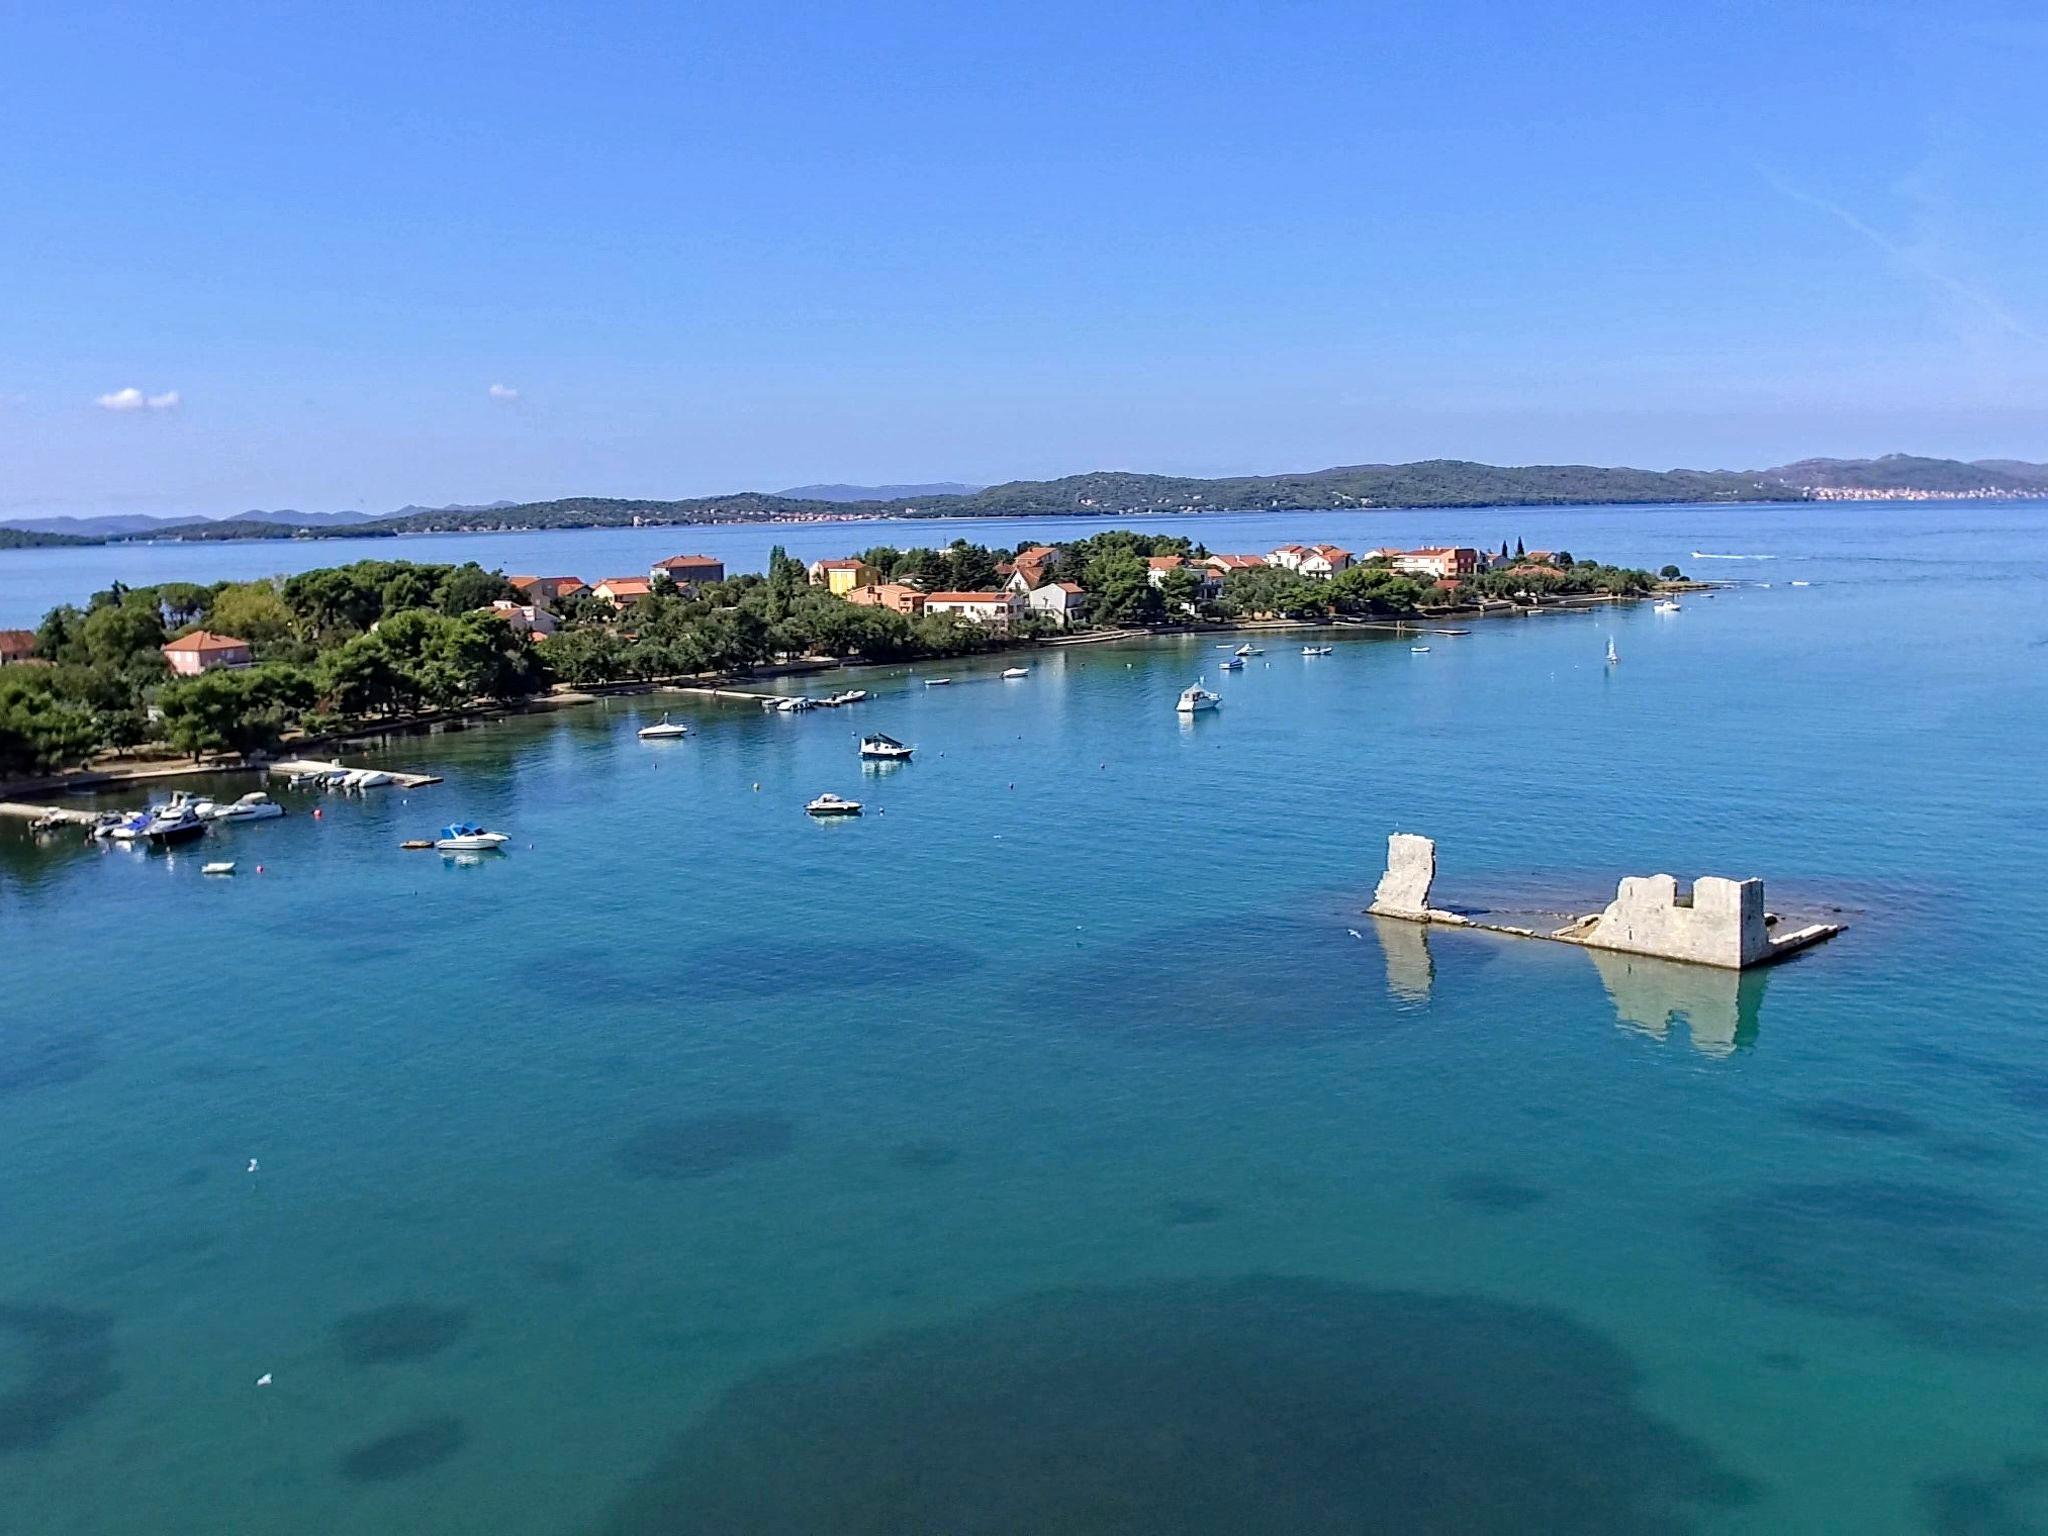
x,y
1613,656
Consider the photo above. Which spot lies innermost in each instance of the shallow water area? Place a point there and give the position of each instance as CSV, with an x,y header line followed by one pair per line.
x,y
677,1168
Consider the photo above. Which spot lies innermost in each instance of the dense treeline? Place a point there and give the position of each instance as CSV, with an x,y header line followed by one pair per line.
x,y
347,644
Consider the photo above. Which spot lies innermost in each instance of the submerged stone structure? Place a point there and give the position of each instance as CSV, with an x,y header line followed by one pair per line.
x,y
1719,922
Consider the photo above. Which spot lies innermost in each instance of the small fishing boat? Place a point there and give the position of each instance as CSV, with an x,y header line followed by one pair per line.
x,y
1317,650
1613,656
254,806
1016,671
854,696
222,867
832,805
1665,605
1419,650
468,837
937,682
664,729
1248,649
1802,583
884,749
1195,699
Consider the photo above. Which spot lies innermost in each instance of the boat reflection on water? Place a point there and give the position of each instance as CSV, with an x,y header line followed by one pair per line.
x,y
1719,1008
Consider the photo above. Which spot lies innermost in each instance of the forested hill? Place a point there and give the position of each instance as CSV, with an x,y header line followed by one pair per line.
x,y
1434,483
19,538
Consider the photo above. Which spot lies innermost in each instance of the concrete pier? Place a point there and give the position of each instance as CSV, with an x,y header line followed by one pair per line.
x,y
1719,922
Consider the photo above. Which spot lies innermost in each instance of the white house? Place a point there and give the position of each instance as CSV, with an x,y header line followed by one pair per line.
x,y
1288,556
1322,561
527,618
1059,601
998,610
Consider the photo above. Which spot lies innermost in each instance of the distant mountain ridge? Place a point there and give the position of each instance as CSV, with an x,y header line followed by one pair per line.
x,y
880,492
1122,493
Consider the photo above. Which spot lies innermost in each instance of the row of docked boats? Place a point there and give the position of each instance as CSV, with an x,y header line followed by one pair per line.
x,y
181,819
340,778
797,703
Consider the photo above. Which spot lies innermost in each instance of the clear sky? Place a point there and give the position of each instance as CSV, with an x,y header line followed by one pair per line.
x,y
361,254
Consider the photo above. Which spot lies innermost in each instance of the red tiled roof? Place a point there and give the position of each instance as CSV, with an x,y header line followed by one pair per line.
x,y
201,641
16,640
841,565
684,562
1165,562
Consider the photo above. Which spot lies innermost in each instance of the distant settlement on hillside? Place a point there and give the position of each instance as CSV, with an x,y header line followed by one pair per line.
x,y
239,668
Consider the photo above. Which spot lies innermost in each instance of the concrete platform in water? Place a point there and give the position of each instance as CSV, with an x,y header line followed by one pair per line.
x,y
1719,922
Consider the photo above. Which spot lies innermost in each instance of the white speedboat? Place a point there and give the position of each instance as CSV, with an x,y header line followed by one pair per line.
x,y
1419,650
1665,605
1317,650
885,749
663,729
122,826
1248,650
223,867
1231,664
371,778
254,806
832,805
1613,656
1195,699
851,696
937,682
1016,671
792,706
468,837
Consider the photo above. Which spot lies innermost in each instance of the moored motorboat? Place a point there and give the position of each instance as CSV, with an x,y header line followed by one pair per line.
x,y
1665,605
122,826
832,805
937,682
1317,650
1195,699
664,729
851,696
1419,650
223,867
1231,664
1016,671
1248,649
884,749
254,806
468,837
173,824
1613,656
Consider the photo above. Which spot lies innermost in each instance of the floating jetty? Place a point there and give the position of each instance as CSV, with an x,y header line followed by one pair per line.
x,y
1719,922
54,815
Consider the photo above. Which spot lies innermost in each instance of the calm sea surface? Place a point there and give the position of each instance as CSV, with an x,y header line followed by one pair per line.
x,y
1057,1148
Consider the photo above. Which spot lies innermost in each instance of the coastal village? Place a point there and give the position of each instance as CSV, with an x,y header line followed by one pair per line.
x,y
239,668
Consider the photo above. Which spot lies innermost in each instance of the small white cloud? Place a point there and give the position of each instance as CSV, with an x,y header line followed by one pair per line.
x,y
504,392
133,399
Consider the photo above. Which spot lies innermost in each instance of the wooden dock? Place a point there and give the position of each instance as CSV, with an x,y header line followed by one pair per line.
x,y
314,765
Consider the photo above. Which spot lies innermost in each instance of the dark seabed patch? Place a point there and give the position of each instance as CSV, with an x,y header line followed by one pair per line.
x,y
192,1178
62,1366
1942,1267
1193,1213
405,1330
37,1058
925,1155
705,1144
827,966
2012,1501
556,1269
1783,1359
1970,1150
1195,1408
1490,1192
405,1452
1853,1117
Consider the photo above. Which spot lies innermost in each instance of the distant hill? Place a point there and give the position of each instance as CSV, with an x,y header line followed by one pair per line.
x,y
291,519
1433,483
415,510
1909,472
879,492
226,529
29,538
90,527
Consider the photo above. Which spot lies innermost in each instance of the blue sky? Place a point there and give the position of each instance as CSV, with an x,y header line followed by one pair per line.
x,y
700,247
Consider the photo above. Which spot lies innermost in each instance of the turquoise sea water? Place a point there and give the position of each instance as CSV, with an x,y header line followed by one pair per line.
x,y
1057,1147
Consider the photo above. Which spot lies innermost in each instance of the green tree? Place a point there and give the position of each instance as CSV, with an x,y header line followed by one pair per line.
x,y
241,710
41,731
254,611
467,588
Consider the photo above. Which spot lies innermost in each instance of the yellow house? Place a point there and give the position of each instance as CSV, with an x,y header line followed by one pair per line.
x,y
840,577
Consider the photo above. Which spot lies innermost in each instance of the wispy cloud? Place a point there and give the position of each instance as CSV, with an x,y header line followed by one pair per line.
x,y
1912,260
503,392
133,399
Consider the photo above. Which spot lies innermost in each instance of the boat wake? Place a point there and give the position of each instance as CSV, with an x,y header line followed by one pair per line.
x,y
1700,554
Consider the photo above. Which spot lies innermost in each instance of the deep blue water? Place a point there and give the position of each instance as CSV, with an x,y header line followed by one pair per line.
x,y
1045,1150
